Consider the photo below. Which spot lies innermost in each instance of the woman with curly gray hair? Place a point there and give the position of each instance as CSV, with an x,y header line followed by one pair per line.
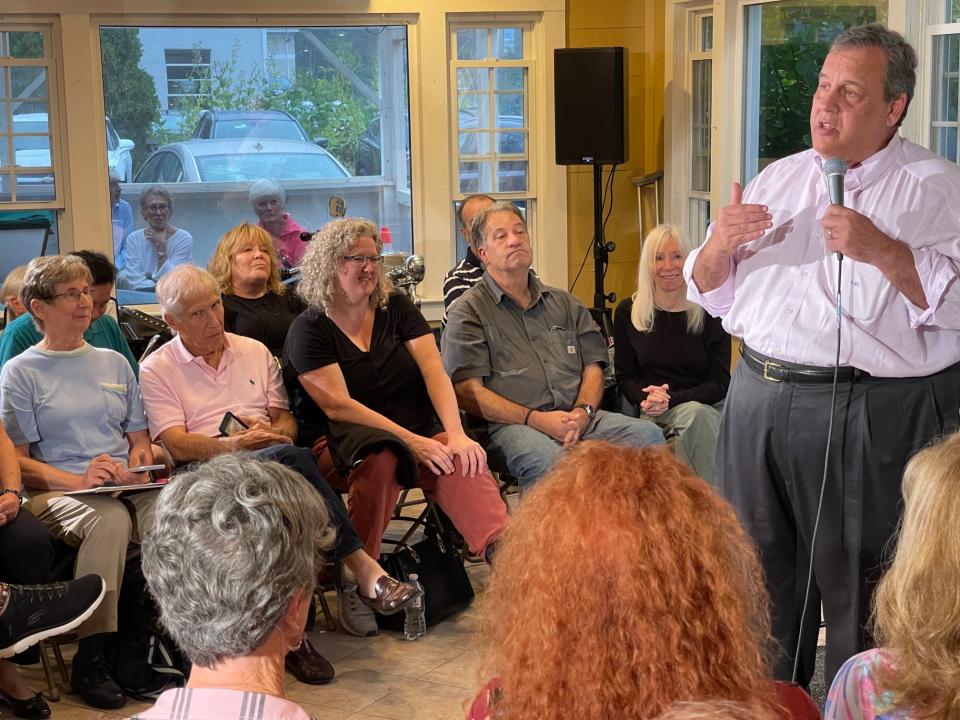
x,y
363,367
231,561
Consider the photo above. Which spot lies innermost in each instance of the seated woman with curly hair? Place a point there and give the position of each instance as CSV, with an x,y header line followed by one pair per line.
x,y
362,366
915,673
663,598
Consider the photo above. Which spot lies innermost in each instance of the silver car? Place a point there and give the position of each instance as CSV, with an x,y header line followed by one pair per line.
x,y
239,160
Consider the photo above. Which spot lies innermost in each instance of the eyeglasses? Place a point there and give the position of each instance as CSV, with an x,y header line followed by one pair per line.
x,y
361,260
73,295
158,208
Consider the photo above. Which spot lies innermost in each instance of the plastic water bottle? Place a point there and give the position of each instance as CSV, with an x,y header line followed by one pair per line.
x,y
415,622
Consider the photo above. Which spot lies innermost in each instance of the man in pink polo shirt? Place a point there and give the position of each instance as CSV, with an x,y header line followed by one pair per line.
x,y
191,382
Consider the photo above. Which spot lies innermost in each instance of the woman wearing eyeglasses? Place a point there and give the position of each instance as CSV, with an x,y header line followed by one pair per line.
x,y
154,250
74,414
255,304
361,364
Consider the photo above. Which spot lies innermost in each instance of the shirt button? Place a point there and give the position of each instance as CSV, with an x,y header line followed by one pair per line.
x,y
789,311
804,274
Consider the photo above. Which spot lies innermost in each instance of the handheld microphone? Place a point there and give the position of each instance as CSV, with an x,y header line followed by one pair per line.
x,y
835,169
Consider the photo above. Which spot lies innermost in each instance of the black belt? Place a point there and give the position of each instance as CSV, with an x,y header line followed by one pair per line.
x,y
778,372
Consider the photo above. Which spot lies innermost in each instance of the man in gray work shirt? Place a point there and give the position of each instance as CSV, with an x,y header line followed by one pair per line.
x,y
527,360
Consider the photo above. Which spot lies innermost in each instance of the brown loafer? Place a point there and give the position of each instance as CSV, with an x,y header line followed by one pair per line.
x,y
309,666
392,596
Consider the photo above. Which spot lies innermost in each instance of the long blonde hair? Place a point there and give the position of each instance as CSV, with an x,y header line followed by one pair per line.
x,y
917,605
642,313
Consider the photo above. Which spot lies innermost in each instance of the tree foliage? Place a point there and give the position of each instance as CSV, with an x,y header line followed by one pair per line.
x,y
327,105
129,95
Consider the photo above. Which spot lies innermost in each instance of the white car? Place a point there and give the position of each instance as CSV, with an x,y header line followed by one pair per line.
x,y
33,151
118,154
238,160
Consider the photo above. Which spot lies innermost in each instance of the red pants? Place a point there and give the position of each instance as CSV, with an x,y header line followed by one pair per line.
x,y
473,504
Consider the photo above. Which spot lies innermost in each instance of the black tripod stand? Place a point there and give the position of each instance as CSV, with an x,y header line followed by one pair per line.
x,y
601,256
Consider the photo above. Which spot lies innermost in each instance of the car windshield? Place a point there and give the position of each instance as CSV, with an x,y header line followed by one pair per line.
x,y
278,129
277,166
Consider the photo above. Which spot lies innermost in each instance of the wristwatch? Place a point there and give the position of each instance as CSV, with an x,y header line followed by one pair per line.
x,y
19,494
588,409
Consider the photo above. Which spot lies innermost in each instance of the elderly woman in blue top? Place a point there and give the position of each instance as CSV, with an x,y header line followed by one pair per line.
x,y
74,414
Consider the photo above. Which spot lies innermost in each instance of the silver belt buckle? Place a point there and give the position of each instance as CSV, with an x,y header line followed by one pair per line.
x,y
766,367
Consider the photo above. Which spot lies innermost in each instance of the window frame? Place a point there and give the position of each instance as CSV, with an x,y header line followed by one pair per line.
x,y
51,62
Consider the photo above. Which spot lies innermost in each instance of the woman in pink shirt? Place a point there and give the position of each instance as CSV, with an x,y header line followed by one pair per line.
x,y
267,199
232,563
915,673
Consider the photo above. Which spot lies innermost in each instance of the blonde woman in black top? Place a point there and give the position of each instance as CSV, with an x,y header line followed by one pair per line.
x,y
673,360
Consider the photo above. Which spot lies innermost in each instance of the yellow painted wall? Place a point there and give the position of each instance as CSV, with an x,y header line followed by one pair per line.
x,y
637,25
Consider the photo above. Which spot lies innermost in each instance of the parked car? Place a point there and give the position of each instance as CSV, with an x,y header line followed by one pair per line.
x,y
33,151
239,161
119,151
240,124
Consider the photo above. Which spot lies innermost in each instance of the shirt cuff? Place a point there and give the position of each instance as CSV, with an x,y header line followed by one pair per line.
x,y
936,273
717,301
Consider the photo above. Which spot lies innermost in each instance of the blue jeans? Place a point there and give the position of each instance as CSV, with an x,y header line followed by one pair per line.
x,y
302,461
527,453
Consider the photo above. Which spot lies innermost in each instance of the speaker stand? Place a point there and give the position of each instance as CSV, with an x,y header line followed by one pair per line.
x,y
601,255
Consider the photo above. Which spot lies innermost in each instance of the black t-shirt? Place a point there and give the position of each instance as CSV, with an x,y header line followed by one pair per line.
x,y
697,367
385,379
265,319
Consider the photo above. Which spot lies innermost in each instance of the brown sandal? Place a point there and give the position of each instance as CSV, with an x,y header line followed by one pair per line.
x,y
392,596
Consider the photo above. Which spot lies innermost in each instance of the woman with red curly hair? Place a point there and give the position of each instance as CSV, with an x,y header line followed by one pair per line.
x,y
663,598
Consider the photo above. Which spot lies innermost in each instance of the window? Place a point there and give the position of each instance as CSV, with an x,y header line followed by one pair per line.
x,y
188,75
492,121
701,79
944,120
943,37
785,45
27,157
323,111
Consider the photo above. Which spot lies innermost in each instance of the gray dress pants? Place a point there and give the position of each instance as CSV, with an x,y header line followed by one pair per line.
x,y
770,462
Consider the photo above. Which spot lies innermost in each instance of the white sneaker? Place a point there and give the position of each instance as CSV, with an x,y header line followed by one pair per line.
x,y
355,617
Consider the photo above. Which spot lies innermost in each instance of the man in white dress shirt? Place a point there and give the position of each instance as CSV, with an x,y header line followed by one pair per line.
x,y
769,268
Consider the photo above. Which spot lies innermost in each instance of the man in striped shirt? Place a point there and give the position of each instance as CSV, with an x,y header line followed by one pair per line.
x,y
468,271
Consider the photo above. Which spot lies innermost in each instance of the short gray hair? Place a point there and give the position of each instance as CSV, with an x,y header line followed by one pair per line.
x,y
156,190
318,269
232,540
480,219
44,274
184,281
115,176
266,189
901,76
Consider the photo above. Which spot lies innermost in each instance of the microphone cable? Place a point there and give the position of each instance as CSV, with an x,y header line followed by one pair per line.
x,y
823,479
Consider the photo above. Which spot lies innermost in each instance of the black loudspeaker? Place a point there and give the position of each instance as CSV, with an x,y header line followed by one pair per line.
x,y
590,105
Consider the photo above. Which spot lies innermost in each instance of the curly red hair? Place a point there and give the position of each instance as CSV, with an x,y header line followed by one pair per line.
x,y
622,584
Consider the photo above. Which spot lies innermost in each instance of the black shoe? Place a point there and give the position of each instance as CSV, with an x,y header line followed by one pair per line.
x,y
94,684
307,665
36,612
34,708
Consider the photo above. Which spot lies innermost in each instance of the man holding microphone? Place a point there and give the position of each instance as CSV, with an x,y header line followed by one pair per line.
x,y
775,264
